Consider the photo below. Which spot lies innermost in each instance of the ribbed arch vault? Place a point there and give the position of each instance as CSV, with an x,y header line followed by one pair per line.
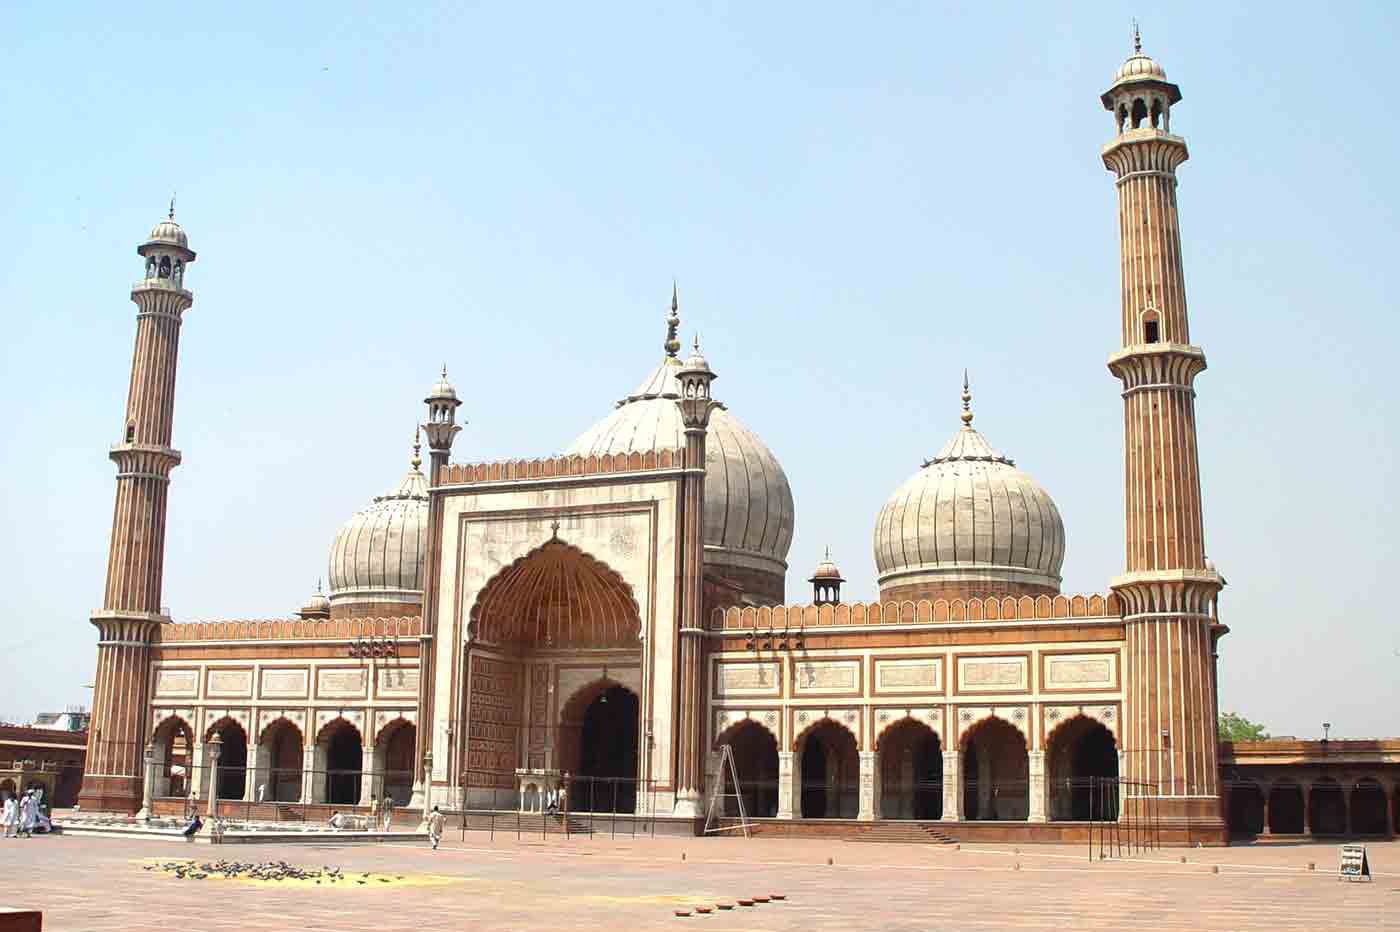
x,y
557,596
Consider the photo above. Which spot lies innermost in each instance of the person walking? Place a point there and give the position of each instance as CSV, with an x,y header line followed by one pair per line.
x,y
9,815
435,823
388,811
26,815
373,812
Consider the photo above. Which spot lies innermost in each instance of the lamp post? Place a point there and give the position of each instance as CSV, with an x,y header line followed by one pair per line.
x,y
427,783
214,747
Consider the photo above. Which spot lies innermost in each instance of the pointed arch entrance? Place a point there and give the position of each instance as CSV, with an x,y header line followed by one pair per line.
x,y
911,771
340,757
173,741
829,770
233,759
598,745
279,762
1081,770
996,772
755,752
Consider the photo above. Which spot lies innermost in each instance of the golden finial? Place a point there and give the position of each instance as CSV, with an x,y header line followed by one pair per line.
x,y
444,372
417,460
171,215
828,553
673,323
967,402
1137,39
318,585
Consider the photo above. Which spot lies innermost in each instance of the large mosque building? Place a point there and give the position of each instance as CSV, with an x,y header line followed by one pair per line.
x,y
494,631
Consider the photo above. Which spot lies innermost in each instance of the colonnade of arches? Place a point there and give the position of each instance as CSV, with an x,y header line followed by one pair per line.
x,y
280,767
913,775
1323,805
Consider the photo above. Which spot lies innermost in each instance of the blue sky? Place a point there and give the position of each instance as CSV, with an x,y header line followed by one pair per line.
x,y
856,204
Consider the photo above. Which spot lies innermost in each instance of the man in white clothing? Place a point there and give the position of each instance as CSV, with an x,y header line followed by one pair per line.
x,y
9,815
26,814
435,823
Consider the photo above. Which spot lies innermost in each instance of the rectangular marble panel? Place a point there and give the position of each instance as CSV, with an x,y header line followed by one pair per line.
x,y
922,675
177,682
1080,671
398,680
230,682
992,674
284,683
747,679
825,676
349,683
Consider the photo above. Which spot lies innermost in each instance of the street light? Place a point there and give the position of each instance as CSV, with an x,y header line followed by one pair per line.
x,y
427,783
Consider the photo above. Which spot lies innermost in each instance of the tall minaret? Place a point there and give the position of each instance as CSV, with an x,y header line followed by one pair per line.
x,y
131,608
1169,733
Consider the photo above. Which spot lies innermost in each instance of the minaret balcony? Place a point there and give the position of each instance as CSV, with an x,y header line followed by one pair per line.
x,y
1142,365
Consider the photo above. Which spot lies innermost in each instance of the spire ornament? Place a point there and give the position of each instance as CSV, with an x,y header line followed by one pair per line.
x,y
417,448
1137,39
966,402
673,323
171,215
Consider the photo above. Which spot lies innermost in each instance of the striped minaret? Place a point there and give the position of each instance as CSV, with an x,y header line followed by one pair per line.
x,y
131,608
1167,589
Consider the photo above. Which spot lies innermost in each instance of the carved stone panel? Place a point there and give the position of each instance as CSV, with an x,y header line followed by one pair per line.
x,y
924,675
340,684
826,676
992,674
231,683
747,678
398,680
177,682
283,684
493,726
1080,671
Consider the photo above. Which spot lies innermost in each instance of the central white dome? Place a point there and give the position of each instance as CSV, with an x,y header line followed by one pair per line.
x,y
969,523
748,503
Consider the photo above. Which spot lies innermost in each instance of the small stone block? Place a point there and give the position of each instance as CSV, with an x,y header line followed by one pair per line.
x,y
744,902
778,896
724,905
1215,868
829,862
1183,859
760,899
1312,865
704,909
1018,865
682,912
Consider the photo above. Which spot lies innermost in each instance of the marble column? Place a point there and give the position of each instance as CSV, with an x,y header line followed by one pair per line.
x,y
1390,810
308,774
952,787
869,786
366,774
1307,808
250,779
788,778
1267,791
1037,787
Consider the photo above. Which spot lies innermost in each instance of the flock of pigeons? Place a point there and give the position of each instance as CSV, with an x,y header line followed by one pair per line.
x,y
266,870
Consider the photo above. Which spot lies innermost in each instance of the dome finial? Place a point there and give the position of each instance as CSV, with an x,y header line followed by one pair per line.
x,y
1137,38
417,460
673,323
967,402
171,215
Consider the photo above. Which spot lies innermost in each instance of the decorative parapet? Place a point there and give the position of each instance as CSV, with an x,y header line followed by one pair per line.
x,y
562,466
923,612
287,629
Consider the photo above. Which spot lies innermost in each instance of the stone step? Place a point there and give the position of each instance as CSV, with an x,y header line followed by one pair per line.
x,y
908,833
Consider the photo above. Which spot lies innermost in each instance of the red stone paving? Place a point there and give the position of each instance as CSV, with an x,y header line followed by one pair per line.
x,y
581,883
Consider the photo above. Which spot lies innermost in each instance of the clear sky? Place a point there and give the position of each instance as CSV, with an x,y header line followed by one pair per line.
x,y
856,204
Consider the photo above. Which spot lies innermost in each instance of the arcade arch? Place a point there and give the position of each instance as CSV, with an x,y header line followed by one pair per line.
x,y
172,764
598,745
279,760
393,761
995,772
911,771
756,759
828,771
339,758
233,758
1081,759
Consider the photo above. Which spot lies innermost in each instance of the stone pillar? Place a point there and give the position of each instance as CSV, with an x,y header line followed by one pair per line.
x,y
1037,787
148,787
788,781
215,751
1268,792
1346,808
869,786
366,774
1390,811
952,787
308,774
1307,808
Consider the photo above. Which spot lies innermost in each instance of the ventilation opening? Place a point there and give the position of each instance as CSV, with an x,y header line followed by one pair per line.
x,y
1150,332
131,433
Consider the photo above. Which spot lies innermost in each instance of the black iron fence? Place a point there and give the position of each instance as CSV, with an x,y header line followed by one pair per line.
x,y
569,806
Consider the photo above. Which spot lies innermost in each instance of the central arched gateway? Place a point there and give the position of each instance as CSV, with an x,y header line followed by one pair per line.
x,y
555,683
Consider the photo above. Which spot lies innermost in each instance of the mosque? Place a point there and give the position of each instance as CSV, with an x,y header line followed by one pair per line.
x,y
498,631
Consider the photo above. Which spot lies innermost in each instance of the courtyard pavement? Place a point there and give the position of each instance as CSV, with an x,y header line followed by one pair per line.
x,y
623,884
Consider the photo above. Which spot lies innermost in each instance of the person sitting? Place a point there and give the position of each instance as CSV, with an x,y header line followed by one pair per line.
x,y
339,821
193,828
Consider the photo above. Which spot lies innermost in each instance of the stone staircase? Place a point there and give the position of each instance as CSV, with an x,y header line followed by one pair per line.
x,y
905,833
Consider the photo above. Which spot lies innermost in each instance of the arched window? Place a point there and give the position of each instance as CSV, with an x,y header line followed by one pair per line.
x,y
164,266
1122,116
1151,326
1157,113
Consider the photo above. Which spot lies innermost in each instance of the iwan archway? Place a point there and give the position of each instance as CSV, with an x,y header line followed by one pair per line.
x,y
555,692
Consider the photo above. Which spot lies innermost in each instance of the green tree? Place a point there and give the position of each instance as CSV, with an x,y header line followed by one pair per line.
x,y
1235,727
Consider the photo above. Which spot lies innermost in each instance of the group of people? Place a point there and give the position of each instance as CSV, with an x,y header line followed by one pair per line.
x,y
342,820
23,816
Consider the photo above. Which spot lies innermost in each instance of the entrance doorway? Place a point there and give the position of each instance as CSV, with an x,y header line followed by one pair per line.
x,y
1082,758
911,772
233,761
344,756
996,772
830,767
756,759
605,719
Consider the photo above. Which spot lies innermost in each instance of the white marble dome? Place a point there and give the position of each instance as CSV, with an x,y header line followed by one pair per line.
x,y
1138,67
969,518
168,231
748,503
378,554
